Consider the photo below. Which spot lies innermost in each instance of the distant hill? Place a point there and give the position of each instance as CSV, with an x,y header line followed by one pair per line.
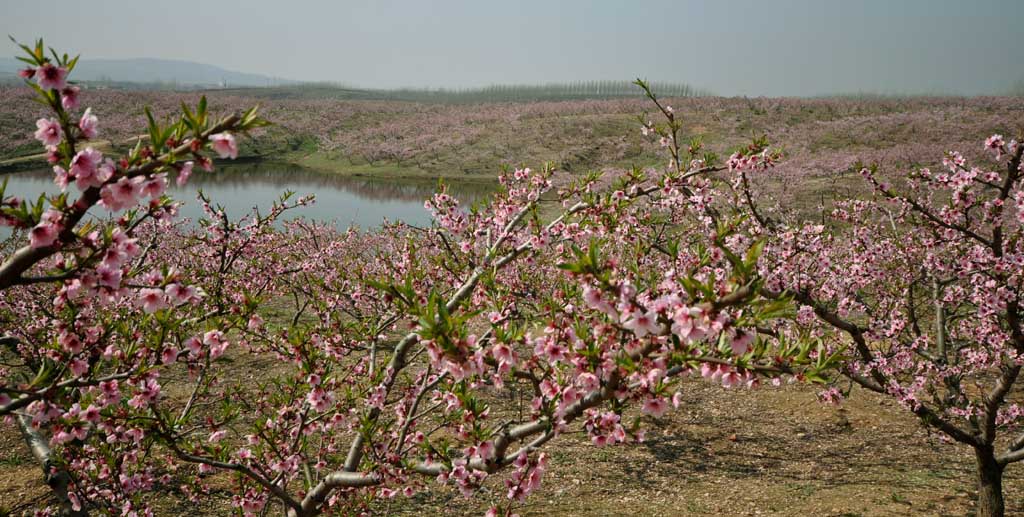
x,y
160,72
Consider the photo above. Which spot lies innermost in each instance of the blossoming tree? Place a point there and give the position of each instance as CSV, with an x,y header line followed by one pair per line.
x,y
324,371
924,280
83,328
914,292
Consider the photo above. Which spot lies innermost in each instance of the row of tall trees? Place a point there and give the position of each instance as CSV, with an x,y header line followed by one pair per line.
x,y
511,92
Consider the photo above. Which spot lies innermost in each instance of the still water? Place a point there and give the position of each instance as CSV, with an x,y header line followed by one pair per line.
x,y
364,202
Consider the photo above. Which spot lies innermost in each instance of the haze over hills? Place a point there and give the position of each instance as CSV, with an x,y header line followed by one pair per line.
x,y
164,74
184,74
169,74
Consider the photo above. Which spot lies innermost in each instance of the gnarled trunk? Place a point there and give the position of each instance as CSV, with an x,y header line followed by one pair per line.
x,y
990,483
58,480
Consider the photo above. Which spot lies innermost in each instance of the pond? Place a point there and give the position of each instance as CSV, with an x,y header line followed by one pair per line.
x,y
361,201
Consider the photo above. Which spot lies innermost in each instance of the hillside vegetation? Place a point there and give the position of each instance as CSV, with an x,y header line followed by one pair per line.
x,y
822,138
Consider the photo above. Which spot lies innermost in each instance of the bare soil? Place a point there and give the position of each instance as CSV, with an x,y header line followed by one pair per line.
x,y
769,451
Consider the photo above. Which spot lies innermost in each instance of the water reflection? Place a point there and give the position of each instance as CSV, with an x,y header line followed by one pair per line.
x,y
362,201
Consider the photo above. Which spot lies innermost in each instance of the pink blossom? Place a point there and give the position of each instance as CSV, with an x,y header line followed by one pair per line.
x,y
731,378
320,399
69,97
61,437
51,77
549,389
154,187
215,340
105,171
831,396
91,414
503,354
677,399
710,371
595,299
184,173
111,392
70,342
224,144
741,342
84,168
88,124
48,132
151,300
78,366
46,232
121,194
147,392
688,324
1020,207
655,406
588,381
179,294
60,177
169,355
194,346
553,351
643,324
109,276
486,450
994,142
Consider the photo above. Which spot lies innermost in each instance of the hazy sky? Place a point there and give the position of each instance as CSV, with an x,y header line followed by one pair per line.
x,y
748,47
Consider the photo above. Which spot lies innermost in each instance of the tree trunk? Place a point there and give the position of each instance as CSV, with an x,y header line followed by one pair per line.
x,y
990,483
58,480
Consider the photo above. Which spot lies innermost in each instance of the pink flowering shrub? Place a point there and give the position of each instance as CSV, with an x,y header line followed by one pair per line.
x,y
919,288
327,371
89,314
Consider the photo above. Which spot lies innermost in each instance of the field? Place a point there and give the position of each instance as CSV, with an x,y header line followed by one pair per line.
x,y
822,138
770,451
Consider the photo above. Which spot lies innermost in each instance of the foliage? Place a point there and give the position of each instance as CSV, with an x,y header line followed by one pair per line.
x,y
326,372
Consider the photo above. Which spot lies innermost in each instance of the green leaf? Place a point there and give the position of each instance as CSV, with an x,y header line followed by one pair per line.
x,y
572,267
734,260
193,124
754,253
154,130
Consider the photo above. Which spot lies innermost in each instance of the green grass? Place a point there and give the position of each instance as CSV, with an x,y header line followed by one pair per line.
x,y
327,162
14,461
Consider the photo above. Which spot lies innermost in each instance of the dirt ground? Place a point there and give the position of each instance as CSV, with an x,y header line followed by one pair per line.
x,y
770,451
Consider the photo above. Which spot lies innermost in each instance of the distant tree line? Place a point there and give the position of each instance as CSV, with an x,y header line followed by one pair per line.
x,y
496,93
553,91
